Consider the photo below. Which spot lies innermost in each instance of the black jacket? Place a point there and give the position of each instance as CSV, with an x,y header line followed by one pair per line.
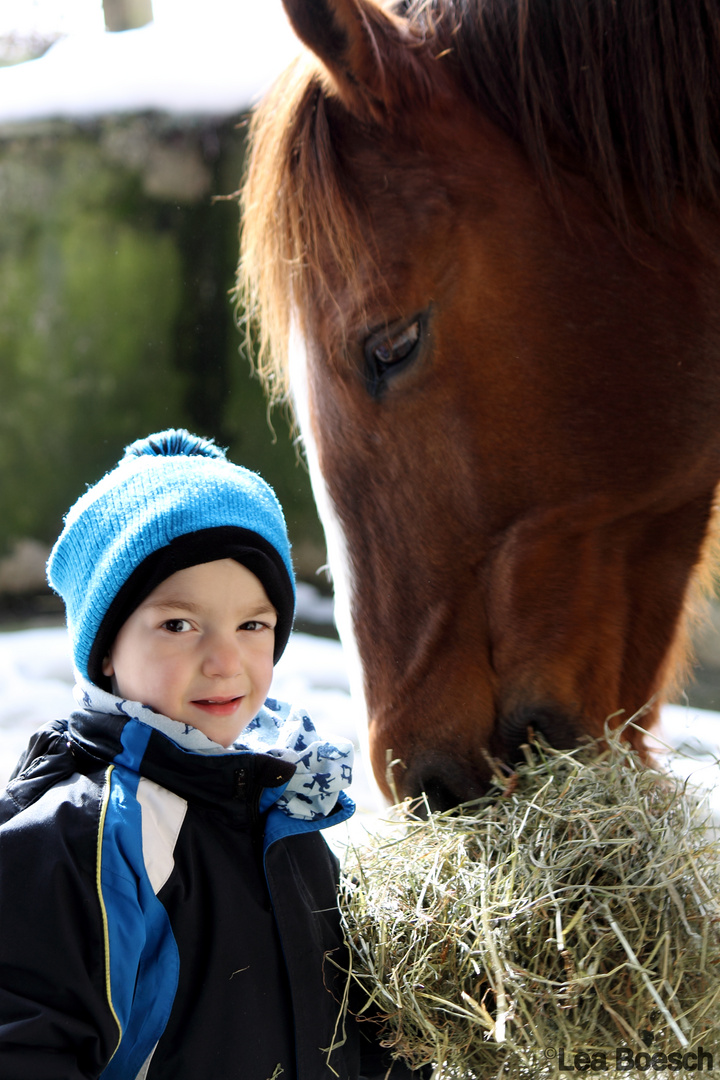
x,y
161,919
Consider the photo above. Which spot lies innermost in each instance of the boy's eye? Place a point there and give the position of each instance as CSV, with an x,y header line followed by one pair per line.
x,y
254,625
176,626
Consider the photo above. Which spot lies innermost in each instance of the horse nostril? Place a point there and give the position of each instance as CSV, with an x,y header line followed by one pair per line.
x,y
438,794
445,781
555,726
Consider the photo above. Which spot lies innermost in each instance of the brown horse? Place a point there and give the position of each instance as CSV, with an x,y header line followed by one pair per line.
x,y
483,237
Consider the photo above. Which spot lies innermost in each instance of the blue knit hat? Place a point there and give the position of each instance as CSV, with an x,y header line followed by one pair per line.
x,y
173,501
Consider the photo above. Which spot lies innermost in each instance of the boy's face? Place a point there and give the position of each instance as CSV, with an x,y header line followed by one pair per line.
x,y
199,649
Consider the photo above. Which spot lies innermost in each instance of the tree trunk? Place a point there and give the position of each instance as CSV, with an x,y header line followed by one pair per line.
x,y
127,14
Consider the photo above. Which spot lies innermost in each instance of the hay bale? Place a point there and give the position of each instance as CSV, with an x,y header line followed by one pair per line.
x,y
575,910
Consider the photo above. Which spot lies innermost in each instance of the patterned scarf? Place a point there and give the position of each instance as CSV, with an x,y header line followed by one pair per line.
x,y
322,769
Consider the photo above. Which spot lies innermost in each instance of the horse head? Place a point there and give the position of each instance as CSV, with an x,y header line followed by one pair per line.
x,y
503,351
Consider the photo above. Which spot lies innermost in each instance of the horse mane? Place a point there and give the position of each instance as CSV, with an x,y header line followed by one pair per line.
x,y
626,92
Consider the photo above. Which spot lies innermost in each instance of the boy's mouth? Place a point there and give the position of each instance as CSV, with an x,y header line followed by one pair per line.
x,y
218,706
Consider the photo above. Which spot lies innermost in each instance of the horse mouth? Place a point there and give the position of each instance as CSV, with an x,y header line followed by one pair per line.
x,y
443,782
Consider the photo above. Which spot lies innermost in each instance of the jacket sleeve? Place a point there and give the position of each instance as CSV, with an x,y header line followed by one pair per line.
x,y
56,1020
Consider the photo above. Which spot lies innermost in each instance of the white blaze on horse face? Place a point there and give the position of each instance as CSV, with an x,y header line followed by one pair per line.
x,y
340,566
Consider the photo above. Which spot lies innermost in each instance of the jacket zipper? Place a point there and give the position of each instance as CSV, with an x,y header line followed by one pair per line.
x,y
241,781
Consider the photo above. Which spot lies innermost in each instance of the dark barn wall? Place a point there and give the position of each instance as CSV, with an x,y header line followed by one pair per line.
x,y
116,266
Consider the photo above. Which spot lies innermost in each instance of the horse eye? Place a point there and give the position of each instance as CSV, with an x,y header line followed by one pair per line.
x,y
399,347
390,350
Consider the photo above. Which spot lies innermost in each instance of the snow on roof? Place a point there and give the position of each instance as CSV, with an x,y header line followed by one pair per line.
x,y
209,69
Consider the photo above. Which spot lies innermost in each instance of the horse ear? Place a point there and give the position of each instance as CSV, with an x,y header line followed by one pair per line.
x,y
364,49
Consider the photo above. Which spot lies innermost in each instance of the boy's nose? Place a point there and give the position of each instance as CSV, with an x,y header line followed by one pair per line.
x,y
222,658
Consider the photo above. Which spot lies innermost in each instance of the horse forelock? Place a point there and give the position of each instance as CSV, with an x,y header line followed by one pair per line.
x,y
627,94
297,215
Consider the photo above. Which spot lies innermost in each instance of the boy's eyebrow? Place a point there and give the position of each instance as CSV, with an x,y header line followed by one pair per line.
x,y
178,604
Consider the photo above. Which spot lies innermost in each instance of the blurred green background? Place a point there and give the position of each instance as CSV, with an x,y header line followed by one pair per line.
x,y
117,261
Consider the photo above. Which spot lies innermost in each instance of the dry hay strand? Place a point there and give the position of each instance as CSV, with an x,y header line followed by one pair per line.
x,y
576,907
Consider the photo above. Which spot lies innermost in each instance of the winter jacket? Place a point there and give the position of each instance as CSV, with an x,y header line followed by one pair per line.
x,y
162,919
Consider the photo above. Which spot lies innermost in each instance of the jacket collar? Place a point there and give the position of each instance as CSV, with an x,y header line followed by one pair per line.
x,y
212,780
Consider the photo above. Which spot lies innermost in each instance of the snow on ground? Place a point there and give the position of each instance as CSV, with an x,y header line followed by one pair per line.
x,y
36,682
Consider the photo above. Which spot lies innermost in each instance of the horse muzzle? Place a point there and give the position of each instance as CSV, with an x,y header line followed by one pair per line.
x,y
448,779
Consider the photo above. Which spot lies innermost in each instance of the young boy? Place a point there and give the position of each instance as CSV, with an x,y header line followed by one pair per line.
x,y
167,902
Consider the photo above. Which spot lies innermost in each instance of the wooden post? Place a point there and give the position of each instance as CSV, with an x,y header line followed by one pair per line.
x,y
127,14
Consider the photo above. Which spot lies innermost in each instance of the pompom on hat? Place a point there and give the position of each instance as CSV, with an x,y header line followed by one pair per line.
x,y
173,501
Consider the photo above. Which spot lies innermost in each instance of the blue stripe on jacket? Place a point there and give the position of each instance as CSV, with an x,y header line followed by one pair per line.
x,y
144,960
